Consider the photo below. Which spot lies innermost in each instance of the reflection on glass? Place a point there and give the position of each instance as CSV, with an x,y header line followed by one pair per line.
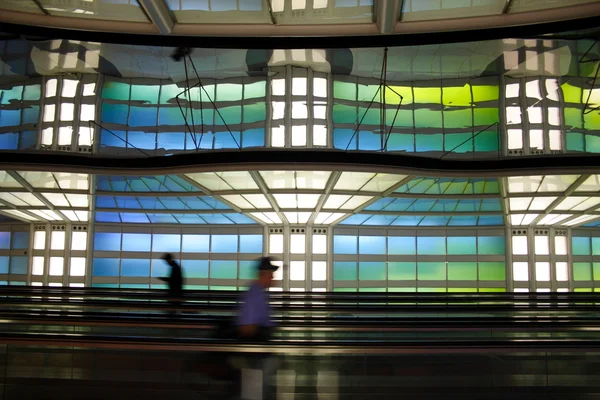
x,y
121,10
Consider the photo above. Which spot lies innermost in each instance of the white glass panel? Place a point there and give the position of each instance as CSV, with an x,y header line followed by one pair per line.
x,y
580,220
552,89
51,87
286,200
531,60
69,88
557,183
298,4
49,112
519,245
308,200
588,203
278,136
519,203
273,217
552,219
276,244
560,245
82,215
382,182
299,135
56,266
20,215
319,110
299,110
303,217
316,5
47,136
535,115
278,110
591,184
37,267
524,184
262,217
355,202
334,217
532,89
299,54
335,201
65,135
78,200
312,179
88,112
513,115
562,271
512,90
536,139
86,136
515,139
238,201
542,271
77,266
297,270
39,240
57,240
319,244
542,245
279,179
278,275
321,217
76,285
570,202
319,135
258,200
541,203
72,181
299,86
543,290
278,87
70,215
79,241
319,270
320,87
520,271
297,244
555,140
67,111
89,89
511,59
272,288
36,283
554,116
353,180
528,218
292,217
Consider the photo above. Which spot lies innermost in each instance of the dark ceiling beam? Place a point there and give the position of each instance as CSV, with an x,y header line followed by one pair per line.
x,y
507,5
387,13
159,14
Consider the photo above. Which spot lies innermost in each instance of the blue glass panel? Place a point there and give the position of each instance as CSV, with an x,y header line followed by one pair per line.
x,y
251,243
10,117
462,245
171,141
105,202
356,219
28,139
18,265
371,244
224,244
241,219
189,219
135,267
223,269
491,205
402,245
369,141
408,220
113,138
132,202
434,221
142,116
248,270
216,219
463,220
160,268
431,245
380,204
195,243
344,271
341,137
404,205
3,264
581,246
195,268
491,245
380,220
343,244
107,217
115,113
215,204
133,218
107,241
136,241
224,140
134,286
105,267
31,115
490,220
9,141
106,285
142,140
166,243
253,138
373,271
170,116
4,240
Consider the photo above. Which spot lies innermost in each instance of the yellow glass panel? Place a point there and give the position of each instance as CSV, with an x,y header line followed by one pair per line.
x,y
428,95
571,94
457,96
393,98
485,93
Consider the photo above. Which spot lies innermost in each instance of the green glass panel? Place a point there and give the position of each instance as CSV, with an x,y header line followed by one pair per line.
x,y
372,290
487,141
592,121
462,290
462,271
344,90
366,93
492,290
255,112
223,288
462,245
494,245
581,246
428,95
571,94
344,271
425,118
431,271
486,116
229,92
223,269
489,186
492,271
134,286
596,271
231,115
400,271
458,142
485,93
431,142
344,289
401,141
115,91
402,289
592,144
372,117
573,117
392,98
596,246
582,271
248,270
343,114
431,290
148,94
575,141
10,95
584,290
457,96
427,245
372,271
32,92
255,90
404,119
168,93
458,118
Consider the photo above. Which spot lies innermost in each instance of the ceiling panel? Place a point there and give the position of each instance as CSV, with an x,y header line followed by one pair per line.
x,y
120,10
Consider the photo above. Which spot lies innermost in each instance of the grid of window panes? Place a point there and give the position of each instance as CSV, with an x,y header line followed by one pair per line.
x,y
585,248
216,259
457,116
14,258
19,114
423,261
158,115
69,106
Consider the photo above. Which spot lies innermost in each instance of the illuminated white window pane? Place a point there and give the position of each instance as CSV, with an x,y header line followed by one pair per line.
x,y
536,139
49,112
76,285
519,203
69,88
39,240
299,135
555,140
276,244
519,245
563,290
37,267
541,203
542,245
278,136
67,111
531,60
554,116
308,200
562,271
88,112
320,111
278,110
36,283
533,90
319,4
543,290
535,115
47,136
303,217
56,266
298,4
89,89
57,240
319,135
319,244
297,270
278,275
277,5
560,245
513,115
319,270
299,110
65,135
542,271
515,139
286,200
297,244
51,88
79,241
77,266
292,217
85,136
320,87
299,86
512,90
524,184
278,87
275,289
520,271
82,215
552,89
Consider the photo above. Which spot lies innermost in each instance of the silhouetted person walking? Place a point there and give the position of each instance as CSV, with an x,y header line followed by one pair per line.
x,y
175,280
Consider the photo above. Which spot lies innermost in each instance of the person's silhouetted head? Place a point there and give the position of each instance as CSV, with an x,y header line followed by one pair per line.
x,y
168,257
265,271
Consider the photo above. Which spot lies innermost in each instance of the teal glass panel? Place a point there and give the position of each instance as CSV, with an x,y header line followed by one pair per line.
x,y
105,267
492,271
255,90
18,265
491,245
136,242
582,271
254,112
248,270
399,271
458,118
431,271
592,144
371,244
462,245
344,114
371,116
223,269
229,92
134,286
106,285
402,245
404,118
135,267
145,93
344,271
4,264
486,116
159,268
369,141
596,246
427,245
575,141
428,119
458,142
343,138
194,268
462,271
115,113
253,138
32,92
487,141
401,142
168,93
231,115
430,142
347,290
581,246
345,244
372,271
434,221
115,91
344,90
367,92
